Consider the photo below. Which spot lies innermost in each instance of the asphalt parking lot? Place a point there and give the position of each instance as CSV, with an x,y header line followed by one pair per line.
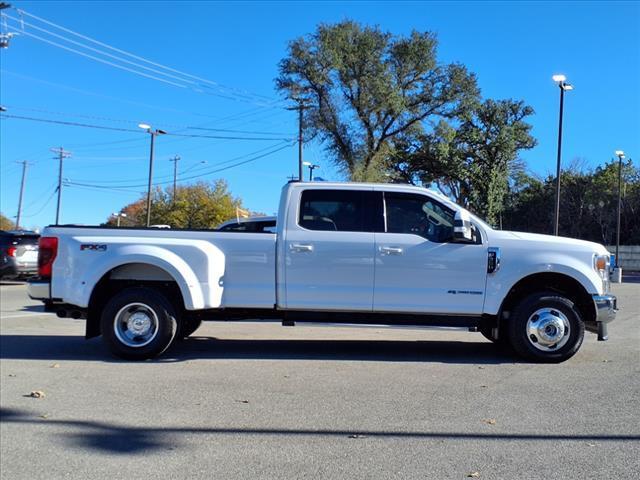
x,y
263,401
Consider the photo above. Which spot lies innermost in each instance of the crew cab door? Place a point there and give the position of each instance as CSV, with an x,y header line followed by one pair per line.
x,y
418,267
329,250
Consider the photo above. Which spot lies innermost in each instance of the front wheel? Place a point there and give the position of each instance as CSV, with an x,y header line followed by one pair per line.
x,y
138,323
546,327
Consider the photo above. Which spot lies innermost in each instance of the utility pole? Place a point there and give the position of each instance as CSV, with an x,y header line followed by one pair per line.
x,y
300,107
62,154
24,176
175,161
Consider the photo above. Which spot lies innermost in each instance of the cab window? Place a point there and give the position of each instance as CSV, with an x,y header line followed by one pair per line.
x,y
419,215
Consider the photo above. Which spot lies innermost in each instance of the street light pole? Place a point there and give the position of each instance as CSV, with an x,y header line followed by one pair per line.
x,y
560,79
620,155
153,134
312,167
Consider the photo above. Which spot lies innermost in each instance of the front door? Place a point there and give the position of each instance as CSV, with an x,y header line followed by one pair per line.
x,y
418,268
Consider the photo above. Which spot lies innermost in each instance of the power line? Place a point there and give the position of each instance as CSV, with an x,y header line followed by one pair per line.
x,y
72,124
43,206
131,130
195,176
108,97
136,122
94,188
131,55
193,168
97,59
197,83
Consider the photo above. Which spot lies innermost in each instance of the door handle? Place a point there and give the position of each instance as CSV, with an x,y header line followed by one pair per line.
x,y
301,247
391,250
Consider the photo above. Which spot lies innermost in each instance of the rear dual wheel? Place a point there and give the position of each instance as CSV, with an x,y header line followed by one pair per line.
x,y
138,323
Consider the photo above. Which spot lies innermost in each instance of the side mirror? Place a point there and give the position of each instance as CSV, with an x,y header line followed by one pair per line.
x,y
462,227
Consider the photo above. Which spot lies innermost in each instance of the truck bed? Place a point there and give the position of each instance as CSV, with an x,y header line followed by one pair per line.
x,y
213,269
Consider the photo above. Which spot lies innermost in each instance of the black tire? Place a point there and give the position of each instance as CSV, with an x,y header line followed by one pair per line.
x,y
556,330
187,327
128,314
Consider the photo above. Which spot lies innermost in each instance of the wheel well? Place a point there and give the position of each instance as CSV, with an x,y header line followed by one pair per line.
x,y
555,282
130,275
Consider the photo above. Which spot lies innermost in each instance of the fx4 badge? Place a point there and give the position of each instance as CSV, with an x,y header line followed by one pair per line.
x,y
93,247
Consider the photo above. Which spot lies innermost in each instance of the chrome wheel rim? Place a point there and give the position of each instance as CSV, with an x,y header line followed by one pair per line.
x,y
136,325
548,329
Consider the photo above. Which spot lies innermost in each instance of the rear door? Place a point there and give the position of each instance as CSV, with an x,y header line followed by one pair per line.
x,y
329,250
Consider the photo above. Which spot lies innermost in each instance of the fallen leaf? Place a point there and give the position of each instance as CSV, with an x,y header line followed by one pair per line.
x,y
242,401
55,365
484,386
489,421
36,394
473,474
591,444
12,374
606,361
480,368
44,415
355,435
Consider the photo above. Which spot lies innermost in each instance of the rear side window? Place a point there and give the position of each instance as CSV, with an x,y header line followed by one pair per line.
x,y
340,210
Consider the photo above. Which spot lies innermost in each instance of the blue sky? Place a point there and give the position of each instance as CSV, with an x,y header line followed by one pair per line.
x,y
513,47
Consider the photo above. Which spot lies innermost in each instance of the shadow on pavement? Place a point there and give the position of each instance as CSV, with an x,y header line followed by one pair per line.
x,y
129,440
33,308
67,347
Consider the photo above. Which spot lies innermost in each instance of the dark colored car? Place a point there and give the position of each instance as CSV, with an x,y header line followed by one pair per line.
x,y
18,253
249,225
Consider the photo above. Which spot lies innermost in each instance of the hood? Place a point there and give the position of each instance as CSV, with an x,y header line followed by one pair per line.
x,y
550,241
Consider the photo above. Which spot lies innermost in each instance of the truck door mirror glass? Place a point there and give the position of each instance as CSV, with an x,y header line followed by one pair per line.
x,y
462,229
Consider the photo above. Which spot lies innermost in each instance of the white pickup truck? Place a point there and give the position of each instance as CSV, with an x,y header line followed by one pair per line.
x,y
372,254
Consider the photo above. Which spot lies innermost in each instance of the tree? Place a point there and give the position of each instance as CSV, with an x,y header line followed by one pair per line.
x,y
201,205
472,161
588,202
5,223
364,87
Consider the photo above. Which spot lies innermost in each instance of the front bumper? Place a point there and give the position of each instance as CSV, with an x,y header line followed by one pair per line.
x,y
606,309
39,289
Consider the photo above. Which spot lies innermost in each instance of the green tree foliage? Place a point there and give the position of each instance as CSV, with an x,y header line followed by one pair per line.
x,y
5,223
473,160
365,87
588,203
201,205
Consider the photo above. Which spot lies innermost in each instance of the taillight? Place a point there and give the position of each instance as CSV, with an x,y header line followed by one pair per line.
x,y
11,251
47,251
